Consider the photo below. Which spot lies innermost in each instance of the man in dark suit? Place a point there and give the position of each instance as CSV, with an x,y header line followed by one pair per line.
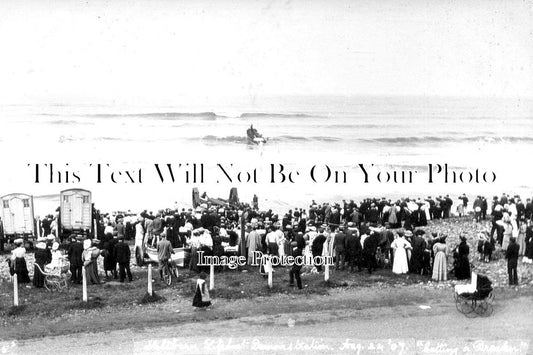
x,y
369,251
122,256
417,255
448,202
352,245
297,251
318,245
528,211
339,241
75,250
512,261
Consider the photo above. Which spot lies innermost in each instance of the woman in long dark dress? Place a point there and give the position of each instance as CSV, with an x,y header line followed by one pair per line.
x,y
89,257
43,256
218,250
462,267
201,295
17,263
110,264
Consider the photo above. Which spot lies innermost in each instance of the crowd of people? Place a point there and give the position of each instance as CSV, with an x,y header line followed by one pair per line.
x,y
375,233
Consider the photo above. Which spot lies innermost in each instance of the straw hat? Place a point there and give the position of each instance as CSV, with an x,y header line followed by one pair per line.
x,y
18,241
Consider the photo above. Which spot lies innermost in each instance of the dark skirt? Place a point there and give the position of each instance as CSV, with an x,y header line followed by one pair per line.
x,y
110,264
462,269
197,300
19,267
92,273
38,276
273,249
529,250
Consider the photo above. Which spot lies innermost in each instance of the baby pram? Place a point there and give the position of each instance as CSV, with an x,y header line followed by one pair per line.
x,y
475,298
55,279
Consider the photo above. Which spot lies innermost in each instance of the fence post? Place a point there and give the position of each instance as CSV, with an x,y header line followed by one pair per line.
x,y
15,290
150,291
211,277
84,278
326,270
269,265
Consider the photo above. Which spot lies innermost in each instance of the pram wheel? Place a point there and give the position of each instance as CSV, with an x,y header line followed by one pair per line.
x,y
464,305
484,309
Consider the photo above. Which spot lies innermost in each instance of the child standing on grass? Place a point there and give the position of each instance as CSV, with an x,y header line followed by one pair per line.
x,y
201,298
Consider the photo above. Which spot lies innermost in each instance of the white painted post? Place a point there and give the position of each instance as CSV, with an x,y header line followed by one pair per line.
x,y
15,290
211,277
269,265
84,283
326,271
95,229
150,292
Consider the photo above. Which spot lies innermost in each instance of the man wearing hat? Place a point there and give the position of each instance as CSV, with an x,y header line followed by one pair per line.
x,y
75,251
122,256
298,248
339,242
511,254
352,247
318,245
417,254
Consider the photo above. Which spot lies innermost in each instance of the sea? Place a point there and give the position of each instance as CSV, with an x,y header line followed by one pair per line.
x,y
318,148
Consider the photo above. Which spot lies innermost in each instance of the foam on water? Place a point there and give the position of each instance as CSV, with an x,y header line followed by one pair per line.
x,y
392,133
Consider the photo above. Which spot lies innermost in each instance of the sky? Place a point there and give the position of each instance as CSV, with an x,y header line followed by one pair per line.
x,y
166,51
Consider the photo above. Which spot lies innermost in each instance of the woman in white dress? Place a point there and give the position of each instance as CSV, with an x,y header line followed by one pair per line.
x,y
400,246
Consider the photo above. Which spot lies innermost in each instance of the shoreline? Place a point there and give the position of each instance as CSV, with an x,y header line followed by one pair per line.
x,y
47,204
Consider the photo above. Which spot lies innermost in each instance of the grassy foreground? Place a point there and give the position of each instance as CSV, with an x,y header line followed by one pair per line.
x,y
238,293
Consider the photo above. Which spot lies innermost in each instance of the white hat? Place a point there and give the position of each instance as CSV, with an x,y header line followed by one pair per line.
x,y
18,241
55,246
41,238
87,244
40,245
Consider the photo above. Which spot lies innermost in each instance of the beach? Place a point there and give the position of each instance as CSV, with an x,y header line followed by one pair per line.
x,y
244,303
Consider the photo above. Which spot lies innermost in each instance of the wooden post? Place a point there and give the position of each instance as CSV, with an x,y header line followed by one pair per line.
x,y
95,229
326,271
211,277
243,235
269,265
84,284
15,290
150,291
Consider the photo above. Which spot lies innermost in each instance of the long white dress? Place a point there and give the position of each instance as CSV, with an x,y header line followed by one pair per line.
x,y
400,246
